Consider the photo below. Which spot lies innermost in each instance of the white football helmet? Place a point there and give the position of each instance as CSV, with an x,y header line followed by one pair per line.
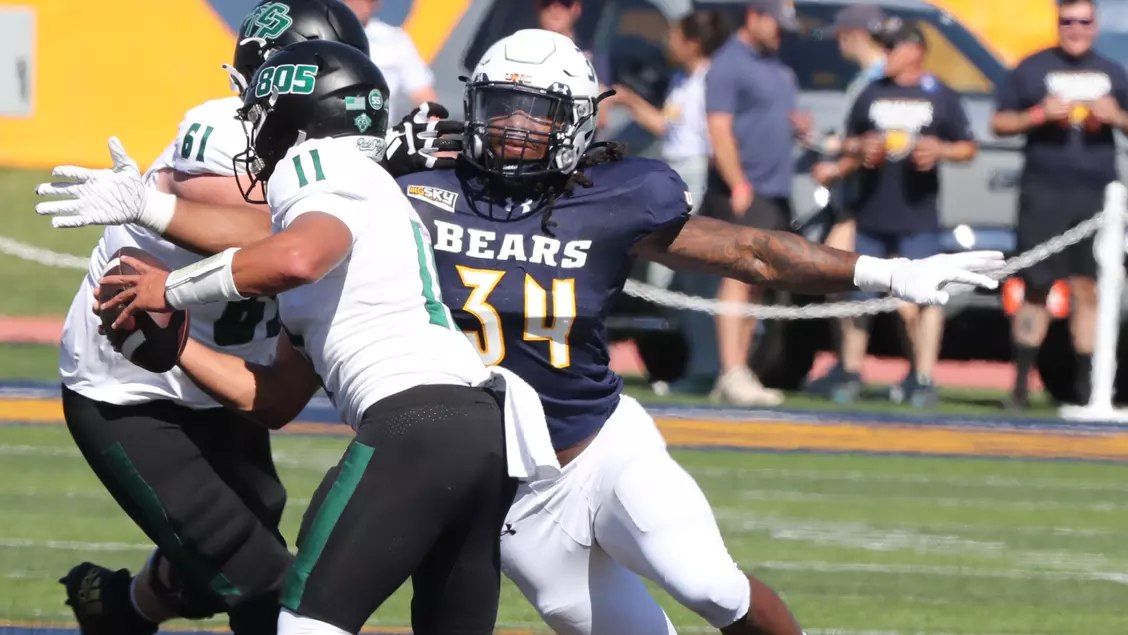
x,y
530,106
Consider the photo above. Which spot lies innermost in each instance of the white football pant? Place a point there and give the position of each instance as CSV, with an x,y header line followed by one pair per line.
x,y
576,545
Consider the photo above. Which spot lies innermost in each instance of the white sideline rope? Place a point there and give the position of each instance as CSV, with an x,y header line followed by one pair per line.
x,y
41,256
678,300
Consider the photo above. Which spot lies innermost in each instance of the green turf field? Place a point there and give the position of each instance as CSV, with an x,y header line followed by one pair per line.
x,y
30,288
856,543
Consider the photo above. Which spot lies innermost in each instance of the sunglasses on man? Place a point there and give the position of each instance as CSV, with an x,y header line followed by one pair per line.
x,y
1075,21
548,3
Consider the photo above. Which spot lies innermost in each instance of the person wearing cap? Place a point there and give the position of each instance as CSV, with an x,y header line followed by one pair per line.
x,y
899,130
1068,100
858,30
750,104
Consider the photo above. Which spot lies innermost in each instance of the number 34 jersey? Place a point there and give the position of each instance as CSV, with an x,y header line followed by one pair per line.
x,y
208,139
535,301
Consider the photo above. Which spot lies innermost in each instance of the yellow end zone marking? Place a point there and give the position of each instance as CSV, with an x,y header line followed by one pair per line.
x,y
783,436
31,410
918,439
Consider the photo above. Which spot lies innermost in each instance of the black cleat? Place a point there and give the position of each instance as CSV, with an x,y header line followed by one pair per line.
x,y
100,601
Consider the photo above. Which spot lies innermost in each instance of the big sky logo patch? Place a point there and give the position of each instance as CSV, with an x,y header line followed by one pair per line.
x,y
440,198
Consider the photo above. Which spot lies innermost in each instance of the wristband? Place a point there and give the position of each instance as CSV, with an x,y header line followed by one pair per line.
x,y
156,213
209,280
1036,115
876,274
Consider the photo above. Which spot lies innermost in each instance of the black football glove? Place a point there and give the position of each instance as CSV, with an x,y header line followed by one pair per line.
x,y
413,142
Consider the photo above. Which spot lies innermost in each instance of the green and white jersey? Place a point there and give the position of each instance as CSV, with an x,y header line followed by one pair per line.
x,y
208,139
375,325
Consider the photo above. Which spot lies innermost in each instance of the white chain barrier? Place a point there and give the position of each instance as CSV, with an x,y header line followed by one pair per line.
x,y
677,300
858,308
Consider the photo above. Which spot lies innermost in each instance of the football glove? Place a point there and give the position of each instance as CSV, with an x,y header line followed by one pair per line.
x,y
415,140
929,280
105,197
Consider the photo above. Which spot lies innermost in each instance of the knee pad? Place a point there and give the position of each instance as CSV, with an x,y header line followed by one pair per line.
x,y
719,597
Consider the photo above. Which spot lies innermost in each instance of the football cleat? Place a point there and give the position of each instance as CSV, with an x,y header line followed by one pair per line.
x,y
100,601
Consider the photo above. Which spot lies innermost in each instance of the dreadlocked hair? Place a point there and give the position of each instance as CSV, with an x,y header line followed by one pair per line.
x,y
599,153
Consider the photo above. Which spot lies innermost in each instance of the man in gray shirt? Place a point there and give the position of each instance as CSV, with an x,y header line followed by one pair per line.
x,y
750,101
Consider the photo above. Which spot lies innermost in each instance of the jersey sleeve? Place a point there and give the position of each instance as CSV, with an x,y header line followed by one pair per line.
x,y
956,126
207,141
324,179
1119,85
1008,96
858,121
666,200
720,87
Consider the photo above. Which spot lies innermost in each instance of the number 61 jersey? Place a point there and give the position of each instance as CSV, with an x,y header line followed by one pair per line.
x,y
534,301
208,139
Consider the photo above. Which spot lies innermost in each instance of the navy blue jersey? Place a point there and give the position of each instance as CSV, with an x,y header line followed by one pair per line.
x,y
535,301
1079,150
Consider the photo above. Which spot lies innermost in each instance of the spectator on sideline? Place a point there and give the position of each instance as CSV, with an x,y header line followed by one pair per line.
x,y
1067,100
409,79
681,121
899,131
560,16
750,101
858,29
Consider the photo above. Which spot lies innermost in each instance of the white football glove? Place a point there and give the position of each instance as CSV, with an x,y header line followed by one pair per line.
x,y
105,197
413,142
929,280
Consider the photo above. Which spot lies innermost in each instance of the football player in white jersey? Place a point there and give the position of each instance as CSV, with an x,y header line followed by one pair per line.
x,y
422,490
198,479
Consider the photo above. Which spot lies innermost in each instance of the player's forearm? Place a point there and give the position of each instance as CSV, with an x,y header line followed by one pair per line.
x,y
301,254
726,157
209,229
270,395
779,260
210,214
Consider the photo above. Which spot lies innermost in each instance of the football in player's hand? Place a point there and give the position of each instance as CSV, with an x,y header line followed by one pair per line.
x,y
152,341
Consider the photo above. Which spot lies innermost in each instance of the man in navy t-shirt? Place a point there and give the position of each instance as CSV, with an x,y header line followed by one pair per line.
x,y
898,132
1068,101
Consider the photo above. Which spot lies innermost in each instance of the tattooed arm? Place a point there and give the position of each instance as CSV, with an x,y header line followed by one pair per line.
x,y
770,258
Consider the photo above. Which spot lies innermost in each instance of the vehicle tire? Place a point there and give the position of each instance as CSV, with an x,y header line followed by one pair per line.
x,y
664,353
784,351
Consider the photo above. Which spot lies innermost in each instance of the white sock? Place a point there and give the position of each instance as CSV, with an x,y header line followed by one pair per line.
x,y
290,624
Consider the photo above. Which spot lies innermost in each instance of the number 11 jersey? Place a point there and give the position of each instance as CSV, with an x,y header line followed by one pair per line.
x,y
206,143
532,295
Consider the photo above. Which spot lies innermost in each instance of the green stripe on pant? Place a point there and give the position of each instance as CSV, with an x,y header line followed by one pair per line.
x,y
157,521
353,466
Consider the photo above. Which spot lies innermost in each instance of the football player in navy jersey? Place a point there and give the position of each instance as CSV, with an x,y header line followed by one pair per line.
x,y
534,232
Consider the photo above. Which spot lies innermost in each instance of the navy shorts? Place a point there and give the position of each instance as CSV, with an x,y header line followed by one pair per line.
x,y
894,245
